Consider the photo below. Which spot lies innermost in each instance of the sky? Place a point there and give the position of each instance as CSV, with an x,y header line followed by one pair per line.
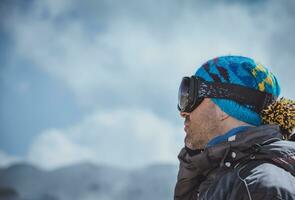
x,y
98,80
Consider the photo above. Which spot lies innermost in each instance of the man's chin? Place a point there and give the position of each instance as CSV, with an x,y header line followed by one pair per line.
x,y
187,141
193,145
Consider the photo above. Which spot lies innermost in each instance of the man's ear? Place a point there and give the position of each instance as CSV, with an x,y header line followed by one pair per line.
x,y
221,114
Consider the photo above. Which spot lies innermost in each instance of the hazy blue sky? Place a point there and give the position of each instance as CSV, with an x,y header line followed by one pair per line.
x,y
98,80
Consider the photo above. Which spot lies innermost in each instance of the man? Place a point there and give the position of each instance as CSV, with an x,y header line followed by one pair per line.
x,y
238,135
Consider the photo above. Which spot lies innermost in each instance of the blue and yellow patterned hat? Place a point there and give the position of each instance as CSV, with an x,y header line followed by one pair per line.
x,y
242,71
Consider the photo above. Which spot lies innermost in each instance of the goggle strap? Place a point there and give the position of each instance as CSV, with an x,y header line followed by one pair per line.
x,y
257,100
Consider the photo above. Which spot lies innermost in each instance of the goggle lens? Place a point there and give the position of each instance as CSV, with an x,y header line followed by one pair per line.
x,y
183,94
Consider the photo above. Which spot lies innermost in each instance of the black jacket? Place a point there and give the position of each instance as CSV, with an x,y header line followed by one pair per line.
x,y
258,164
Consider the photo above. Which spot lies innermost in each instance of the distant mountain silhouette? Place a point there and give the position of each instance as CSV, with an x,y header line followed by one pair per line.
x,y
87,181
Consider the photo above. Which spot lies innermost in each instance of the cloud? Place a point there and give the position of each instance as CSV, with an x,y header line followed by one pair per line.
x,y
124,61
7,160
53,149
127,138
131,56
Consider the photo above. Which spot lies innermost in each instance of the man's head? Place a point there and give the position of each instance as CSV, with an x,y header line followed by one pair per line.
x,y
215,116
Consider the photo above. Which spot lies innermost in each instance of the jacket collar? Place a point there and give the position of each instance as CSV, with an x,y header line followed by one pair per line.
x,y
242,144
226,136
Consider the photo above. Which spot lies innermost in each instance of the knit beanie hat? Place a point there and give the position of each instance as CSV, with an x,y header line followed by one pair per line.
x,y
242,71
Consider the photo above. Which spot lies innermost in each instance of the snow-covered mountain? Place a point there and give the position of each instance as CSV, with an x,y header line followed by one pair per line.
x,y
87,181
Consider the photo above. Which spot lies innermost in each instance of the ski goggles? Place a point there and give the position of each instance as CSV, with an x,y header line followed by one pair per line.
x,y
193,90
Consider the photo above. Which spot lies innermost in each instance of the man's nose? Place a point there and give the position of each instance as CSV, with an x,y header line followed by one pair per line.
x,y
184,114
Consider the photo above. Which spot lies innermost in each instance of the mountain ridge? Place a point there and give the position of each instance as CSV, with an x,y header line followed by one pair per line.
x,y
89,181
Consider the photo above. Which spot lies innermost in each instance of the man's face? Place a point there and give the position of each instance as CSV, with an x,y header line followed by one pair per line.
x,y
201,124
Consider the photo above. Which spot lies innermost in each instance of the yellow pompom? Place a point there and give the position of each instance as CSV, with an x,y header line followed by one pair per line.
x,y
281,112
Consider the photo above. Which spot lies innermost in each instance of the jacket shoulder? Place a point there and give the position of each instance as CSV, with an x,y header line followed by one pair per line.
x,y
262,179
